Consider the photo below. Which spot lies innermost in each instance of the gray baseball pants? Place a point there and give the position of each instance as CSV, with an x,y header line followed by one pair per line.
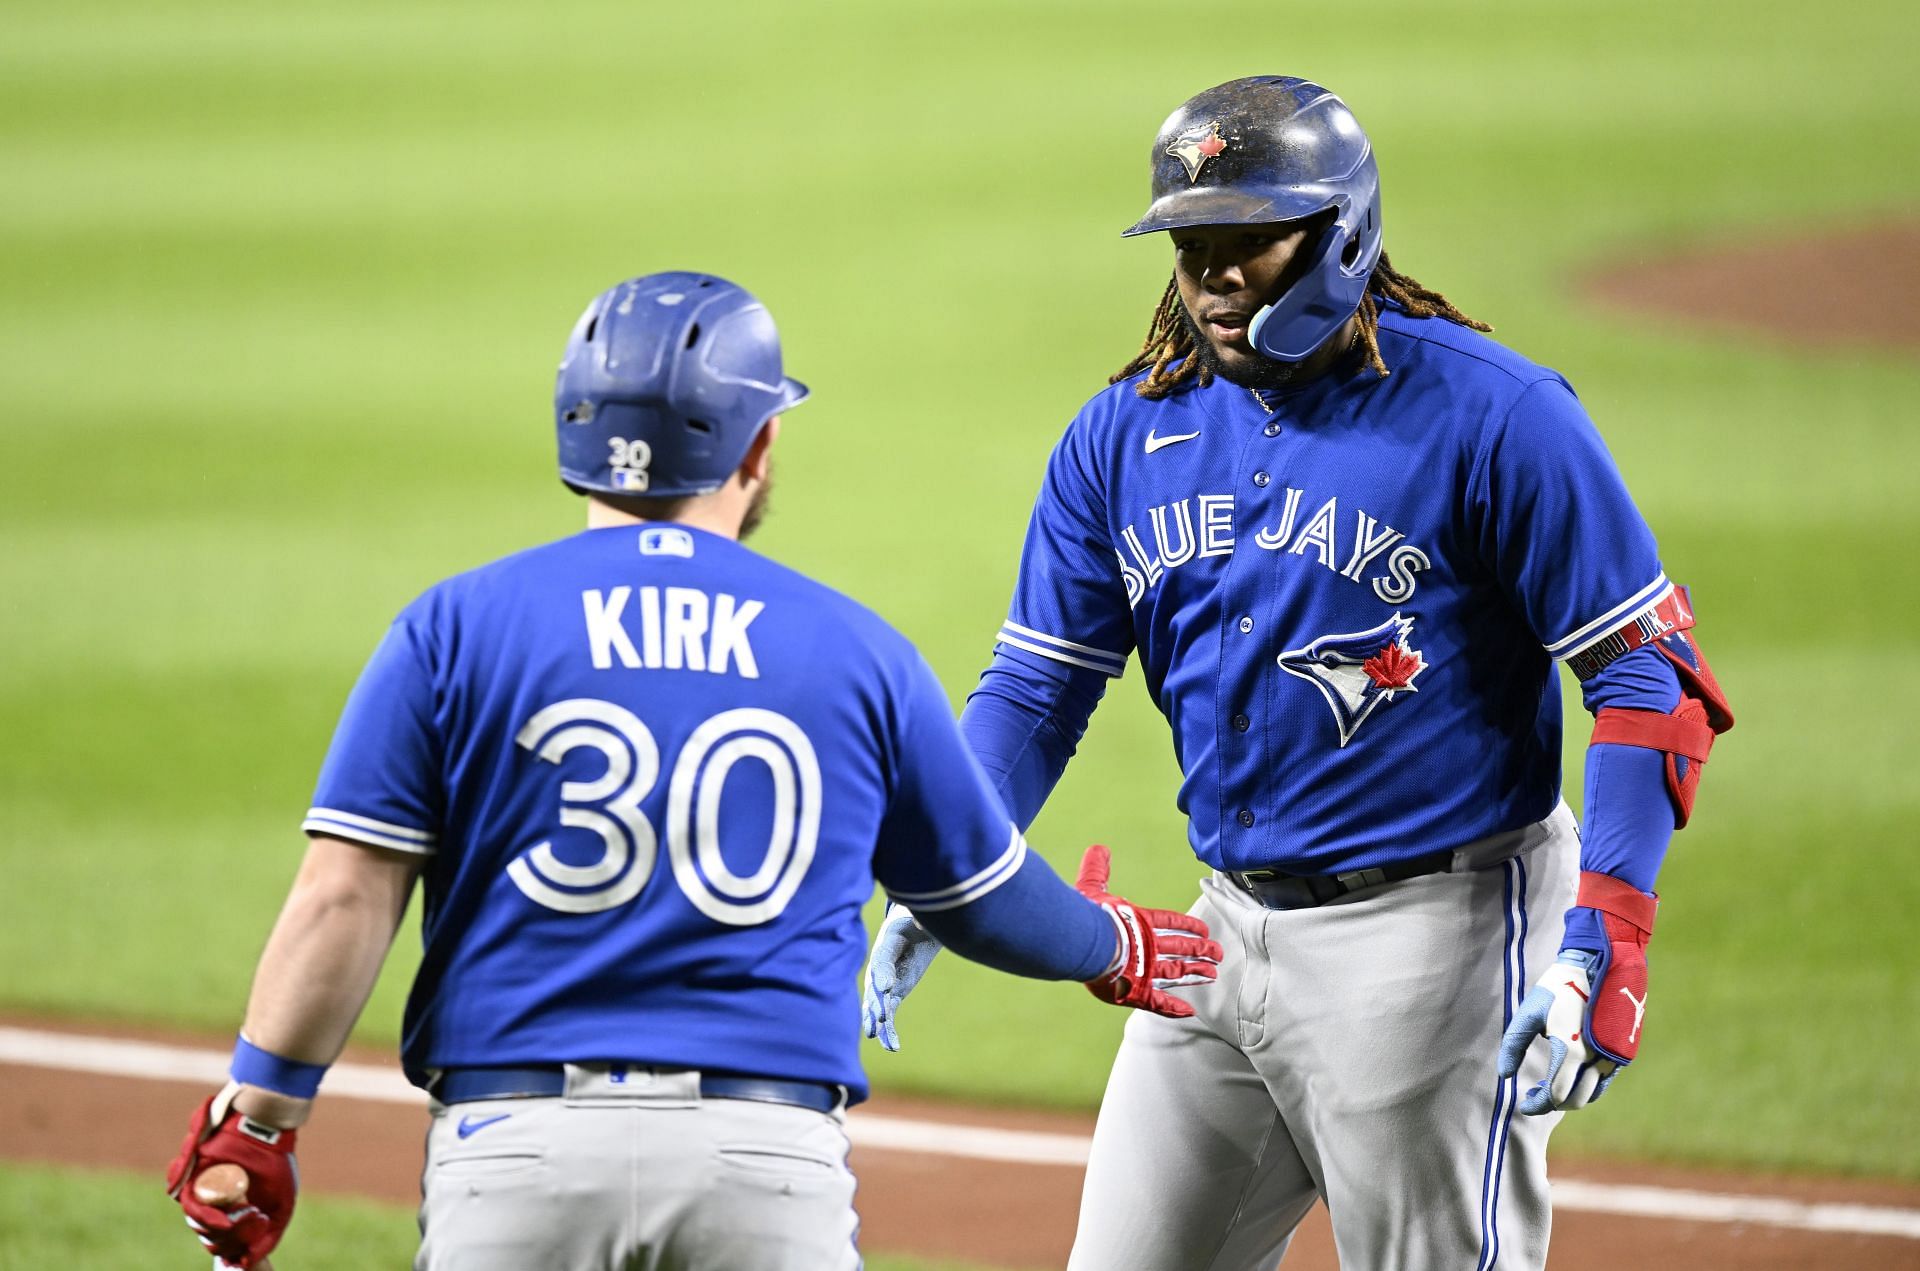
x,y
1346,1052
643,1175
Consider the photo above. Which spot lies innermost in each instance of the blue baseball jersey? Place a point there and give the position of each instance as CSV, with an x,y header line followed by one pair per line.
x,y
1347,597
655,776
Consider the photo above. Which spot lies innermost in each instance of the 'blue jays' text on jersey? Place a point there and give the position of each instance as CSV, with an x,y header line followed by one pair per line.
x,y
1348,606
656,775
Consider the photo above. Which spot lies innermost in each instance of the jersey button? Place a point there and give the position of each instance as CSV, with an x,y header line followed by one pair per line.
x,y
1272,429
1246,819
1261,478
1246,625
1241,723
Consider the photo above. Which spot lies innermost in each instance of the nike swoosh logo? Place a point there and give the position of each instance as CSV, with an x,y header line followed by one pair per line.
x,y
468,1126
1157,443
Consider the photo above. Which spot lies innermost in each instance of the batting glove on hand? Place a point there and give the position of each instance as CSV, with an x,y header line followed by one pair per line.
x,y
1159,949
1557,1007
902,952
239,1237
1588,1005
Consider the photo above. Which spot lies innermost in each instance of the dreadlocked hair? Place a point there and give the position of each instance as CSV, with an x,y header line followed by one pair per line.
x,y
1169,356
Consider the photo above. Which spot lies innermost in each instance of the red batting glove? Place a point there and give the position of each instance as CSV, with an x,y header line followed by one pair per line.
x,y
1620,979
1155,945
219,1136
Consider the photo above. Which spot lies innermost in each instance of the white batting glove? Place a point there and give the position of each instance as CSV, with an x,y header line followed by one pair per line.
x,y
1557,1009
902,952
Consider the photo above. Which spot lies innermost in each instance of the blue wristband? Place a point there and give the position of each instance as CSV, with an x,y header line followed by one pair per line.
x,y
1584,931
267,1071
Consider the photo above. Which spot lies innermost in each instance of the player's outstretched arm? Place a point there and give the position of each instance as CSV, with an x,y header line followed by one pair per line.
x,y
313,980
947,853
1034,925
1153,950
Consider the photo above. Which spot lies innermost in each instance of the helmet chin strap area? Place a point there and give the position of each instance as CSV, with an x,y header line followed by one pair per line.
x,y
1309,312
1258,335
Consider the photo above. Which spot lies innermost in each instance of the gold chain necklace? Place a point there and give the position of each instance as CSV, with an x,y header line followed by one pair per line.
x,y
1353,342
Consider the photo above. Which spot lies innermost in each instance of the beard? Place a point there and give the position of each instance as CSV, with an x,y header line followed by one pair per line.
x,y
1261,374
758,506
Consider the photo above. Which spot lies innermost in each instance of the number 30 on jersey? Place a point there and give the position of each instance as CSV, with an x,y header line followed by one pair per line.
x,y
610,807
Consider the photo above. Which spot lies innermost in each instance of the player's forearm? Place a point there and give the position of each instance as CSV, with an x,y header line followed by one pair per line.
x,y
322,959
1629,823
1033,925
1629,815
1024,722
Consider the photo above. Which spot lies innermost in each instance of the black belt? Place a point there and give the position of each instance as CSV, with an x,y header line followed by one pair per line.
x,y
1277,890
464,1085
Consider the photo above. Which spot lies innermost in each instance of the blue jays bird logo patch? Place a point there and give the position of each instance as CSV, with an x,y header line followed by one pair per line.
x,y
1358,671
1197,145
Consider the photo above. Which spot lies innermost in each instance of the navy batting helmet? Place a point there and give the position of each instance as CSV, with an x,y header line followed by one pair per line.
x,y
1267,149
665,383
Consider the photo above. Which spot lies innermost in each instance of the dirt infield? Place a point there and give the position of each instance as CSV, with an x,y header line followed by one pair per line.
x,y
1003,1214
1853,288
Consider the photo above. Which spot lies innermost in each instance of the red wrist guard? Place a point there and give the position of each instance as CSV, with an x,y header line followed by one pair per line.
x,y
1619,1004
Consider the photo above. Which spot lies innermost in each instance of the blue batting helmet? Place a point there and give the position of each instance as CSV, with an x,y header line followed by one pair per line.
x,y
665,383
1268,149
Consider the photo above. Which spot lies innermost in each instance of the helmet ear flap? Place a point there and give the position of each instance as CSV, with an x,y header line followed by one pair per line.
x,y
1316,303
1350,254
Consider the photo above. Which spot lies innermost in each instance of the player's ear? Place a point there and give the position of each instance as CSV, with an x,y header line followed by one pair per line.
x,y
759,461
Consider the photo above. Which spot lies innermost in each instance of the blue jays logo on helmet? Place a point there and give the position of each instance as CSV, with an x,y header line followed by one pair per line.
x,y
1268,149
1358,670
665,382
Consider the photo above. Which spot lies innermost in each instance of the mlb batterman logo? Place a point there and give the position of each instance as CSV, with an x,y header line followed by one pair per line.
x,y
1359,670
1197,145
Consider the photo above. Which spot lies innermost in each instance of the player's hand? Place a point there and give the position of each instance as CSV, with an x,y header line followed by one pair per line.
x,y
1158,947
1588,1005
1577,1074
242,1235
902,952
1591,1036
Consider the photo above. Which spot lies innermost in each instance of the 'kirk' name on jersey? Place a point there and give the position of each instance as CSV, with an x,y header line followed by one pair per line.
x,y
1176,542
679,628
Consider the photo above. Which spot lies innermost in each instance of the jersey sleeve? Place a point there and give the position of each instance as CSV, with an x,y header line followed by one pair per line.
x,y
380,782
948,852
945,840
1561,532
1070,601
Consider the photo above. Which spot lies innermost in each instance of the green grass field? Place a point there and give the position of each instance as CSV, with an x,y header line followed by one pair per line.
x,y
284,290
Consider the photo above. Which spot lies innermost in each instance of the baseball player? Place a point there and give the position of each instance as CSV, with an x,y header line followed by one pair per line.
x,y
1348,537
647,778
